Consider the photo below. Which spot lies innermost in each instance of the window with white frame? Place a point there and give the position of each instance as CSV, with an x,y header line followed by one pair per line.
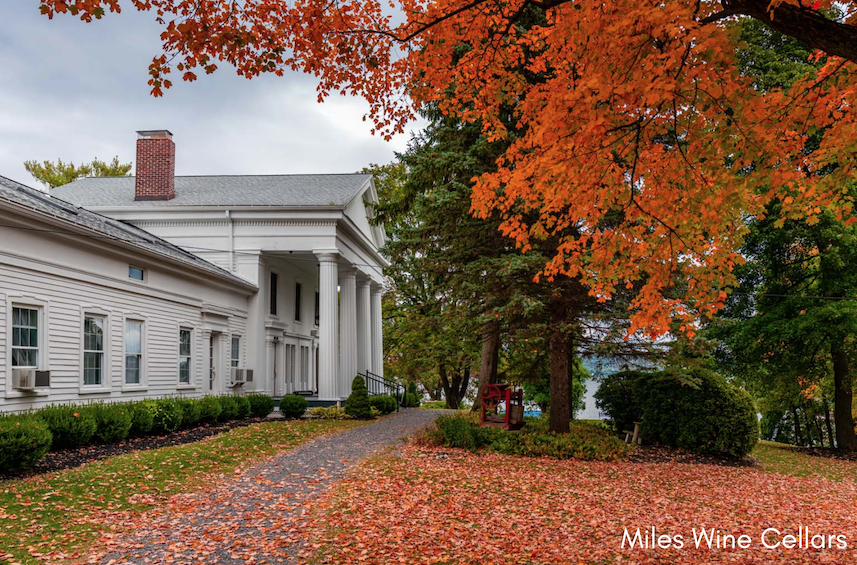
x,y
133,352
235,359
185,357
25,337
93,349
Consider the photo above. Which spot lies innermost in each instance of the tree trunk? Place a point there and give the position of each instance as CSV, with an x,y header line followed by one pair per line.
x,y
827,423
846,440
818,428
569,346
798,435
454,390
810,441
489,360
560,412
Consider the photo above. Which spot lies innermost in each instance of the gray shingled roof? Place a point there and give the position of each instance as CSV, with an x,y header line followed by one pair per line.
x,y
107,229
257,190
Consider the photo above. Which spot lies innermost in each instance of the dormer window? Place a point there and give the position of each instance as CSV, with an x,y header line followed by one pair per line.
x,y
136,273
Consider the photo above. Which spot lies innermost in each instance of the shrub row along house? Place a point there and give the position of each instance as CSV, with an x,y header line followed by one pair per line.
x,y
149,286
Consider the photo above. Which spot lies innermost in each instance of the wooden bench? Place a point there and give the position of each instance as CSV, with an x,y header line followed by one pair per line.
x,y
633,436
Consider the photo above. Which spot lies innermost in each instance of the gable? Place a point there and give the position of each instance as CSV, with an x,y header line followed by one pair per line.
x,y
359,211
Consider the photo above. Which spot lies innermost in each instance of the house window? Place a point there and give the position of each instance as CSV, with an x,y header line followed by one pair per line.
x,y
317,308
25,337
273,291
235,359
297,302
136,273
184,355
133,351
93,350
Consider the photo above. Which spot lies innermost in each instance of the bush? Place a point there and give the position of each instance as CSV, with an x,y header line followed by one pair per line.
x,y
328,413
383,403
616,398
412,396
260,405
435,404
584,441
357,404
243,406
24,440
142,417
191,412
698,411
228,408
114,422
209,409
292,406
167,417
71,426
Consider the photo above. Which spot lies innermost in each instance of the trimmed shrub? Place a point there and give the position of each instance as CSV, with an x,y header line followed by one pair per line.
x,y
168,416
260,405
698,411
229,408
328,413
412,396
383,403
114,421
584,441
617,399
71,426
292,406
142,417
24,440
191,412
357,403
209,409
243,406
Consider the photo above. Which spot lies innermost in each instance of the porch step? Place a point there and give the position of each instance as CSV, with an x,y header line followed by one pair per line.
x,y
311,401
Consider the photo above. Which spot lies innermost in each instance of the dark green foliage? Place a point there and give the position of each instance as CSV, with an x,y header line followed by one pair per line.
x,y
168,416
383,403
70,425
615,397
191,412
260,405
699,412
357,404
584,441
24,439
228,408
210,409
114,421
243,410
142,417
293,406
412,398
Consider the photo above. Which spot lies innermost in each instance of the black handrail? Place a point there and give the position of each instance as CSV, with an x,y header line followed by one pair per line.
x,y
378,385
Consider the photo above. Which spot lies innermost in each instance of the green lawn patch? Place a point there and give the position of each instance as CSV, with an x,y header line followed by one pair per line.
x,y
788,460
61,514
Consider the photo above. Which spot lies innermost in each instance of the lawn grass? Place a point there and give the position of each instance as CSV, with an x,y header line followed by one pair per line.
x,y
786,460
62,513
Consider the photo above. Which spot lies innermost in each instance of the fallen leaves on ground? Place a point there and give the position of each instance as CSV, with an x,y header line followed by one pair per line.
x,y
442,506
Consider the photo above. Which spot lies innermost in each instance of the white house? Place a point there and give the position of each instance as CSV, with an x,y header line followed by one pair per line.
x,y
277,275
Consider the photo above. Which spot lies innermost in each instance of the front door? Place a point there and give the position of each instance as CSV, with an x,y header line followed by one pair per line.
x,y
214,363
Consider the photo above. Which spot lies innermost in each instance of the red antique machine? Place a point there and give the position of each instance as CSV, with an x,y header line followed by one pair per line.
x,y
495,395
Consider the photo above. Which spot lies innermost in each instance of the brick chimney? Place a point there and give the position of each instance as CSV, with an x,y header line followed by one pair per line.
x,y
156,166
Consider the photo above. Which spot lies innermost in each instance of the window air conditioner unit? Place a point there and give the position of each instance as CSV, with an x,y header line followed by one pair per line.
x,y
24,379
249,374
238,376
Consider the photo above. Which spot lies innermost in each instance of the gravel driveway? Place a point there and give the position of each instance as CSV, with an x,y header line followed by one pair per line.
x,y
255,517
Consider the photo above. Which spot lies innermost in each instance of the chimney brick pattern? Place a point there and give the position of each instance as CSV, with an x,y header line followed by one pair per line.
x,y
156,166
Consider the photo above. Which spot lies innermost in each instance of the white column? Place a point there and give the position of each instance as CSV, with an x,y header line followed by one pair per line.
x,y
328,326
347,329
364,327
377,340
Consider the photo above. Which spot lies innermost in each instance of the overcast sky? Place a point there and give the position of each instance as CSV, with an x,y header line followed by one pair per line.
x,y
76,91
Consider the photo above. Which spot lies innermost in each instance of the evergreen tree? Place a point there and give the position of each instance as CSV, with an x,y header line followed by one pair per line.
x,y
57,174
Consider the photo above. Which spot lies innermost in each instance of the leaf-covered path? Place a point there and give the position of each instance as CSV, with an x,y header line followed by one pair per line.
x,y
255,517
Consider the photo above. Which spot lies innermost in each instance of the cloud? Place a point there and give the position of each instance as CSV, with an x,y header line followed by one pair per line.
x,y
76,91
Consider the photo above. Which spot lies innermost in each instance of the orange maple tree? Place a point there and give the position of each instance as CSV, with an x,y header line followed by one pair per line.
x,y
639,146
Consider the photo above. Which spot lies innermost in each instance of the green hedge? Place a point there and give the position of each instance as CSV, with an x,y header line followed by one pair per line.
x,y
24,439
384,403
71,426
228,408
293,406
209,409
260,405
357,404
168,416
114,422
142,417
243,407
584,441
